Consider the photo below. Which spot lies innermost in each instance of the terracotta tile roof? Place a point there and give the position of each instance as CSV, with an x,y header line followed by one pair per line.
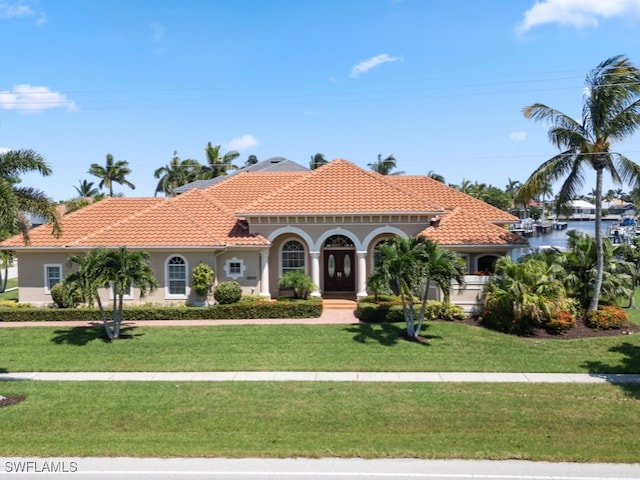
x,y
189,220
340,187
245,188
457,227
450,198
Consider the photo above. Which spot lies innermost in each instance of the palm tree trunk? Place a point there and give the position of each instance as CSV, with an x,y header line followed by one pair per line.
x,y
597,285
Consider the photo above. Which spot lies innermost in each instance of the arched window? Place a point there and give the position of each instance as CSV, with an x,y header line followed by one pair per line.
x,y
292,256
176,276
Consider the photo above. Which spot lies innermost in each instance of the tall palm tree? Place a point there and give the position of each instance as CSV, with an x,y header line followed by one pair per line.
x,y
317,160
86,189
112,172
610,113
217,165
17,201
175,174
383,166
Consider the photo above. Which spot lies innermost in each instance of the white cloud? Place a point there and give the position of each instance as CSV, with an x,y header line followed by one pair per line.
x,y
4,150
518,136
20,10
242,143
577,13
373,62
158,32
30,98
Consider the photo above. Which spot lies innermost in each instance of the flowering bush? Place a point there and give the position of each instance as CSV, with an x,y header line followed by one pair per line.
x,y
561,322
606,318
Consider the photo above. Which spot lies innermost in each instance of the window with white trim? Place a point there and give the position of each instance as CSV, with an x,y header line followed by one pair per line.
x,y
176,276
52,275
234,268
292,256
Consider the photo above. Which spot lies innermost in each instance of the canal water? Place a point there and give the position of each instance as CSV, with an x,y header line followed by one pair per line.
x,y
559,238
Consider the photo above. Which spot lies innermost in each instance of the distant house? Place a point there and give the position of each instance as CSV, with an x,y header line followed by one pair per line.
x,y
578,210
255,225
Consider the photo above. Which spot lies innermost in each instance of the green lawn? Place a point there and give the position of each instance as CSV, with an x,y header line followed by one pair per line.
x,y
592,423
12,295
452,347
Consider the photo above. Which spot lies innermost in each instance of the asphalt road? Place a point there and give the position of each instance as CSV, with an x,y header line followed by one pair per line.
x,y
305,469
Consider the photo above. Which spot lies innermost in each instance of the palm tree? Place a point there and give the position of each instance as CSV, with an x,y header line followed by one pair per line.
x,y
412,264
16,201
216,165
610,113
175,174
251,160
384,165
86,189
119,268
112,172
317,160
436,176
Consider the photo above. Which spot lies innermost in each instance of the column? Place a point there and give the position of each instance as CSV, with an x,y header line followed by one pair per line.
x,y
362,274
315,273
264,273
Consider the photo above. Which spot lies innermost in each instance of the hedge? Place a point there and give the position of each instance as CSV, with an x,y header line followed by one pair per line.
x,y
241,310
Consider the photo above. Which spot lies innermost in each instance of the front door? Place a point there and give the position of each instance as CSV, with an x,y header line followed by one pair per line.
x,y
339,271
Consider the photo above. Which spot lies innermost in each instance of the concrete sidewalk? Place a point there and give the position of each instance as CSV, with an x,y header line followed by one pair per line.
x,y
283,376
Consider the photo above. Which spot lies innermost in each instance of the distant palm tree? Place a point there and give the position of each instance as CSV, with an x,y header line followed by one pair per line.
x,y
435,176
217,165
17,201
611,112
112,172
384,165
251,160
86,189
317,160
175,174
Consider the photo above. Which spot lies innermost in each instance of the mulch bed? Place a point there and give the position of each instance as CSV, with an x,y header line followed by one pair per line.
x,y
579,331
7,401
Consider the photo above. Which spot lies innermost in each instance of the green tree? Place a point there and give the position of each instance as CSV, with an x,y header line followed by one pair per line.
x,y
217,165
413,264
177,173
251,160
86,189
436,176
118,268
112,172
631,253
384,166
17,201
317,160
610,113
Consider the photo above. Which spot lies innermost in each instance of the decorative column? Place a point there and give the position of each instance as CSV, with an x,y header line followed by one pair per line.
x,y
315,273
362,274
264,273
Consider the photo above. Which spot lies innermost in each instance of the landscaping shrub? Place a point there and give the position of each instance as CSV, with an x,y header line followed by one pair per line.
x,y
202,279
440,311
62,298
561,322
299,282
227,292
607,318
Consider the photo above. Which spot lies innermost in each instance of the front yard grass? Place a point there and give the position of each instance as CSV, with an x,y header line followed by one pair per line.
x,y
376,347
582,423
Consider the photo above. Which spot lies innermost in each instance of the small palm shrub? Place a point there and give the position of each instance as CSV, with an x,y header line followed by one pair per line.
x,y
227,292
607,318
299,282
62,298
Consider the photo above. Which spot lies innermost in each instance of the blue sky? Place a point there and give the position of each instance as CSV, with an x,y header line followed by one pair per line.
x,y
440,84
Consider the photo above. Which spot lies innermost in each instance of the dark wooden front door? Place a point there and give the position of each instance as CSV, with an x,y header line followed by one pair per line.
x,y
339,271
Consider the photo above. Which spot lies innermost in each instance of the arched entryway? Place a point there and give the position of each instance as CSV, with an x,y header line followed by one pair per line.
x,y
339,258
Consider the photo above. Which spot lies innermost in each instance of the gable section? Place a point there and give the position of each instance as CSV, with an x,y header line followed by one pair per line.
x,y
340,187
457,227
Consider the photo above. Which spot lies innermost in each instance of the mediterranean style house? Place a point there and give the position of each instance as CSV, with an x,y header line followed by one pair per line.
x,y
256,224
